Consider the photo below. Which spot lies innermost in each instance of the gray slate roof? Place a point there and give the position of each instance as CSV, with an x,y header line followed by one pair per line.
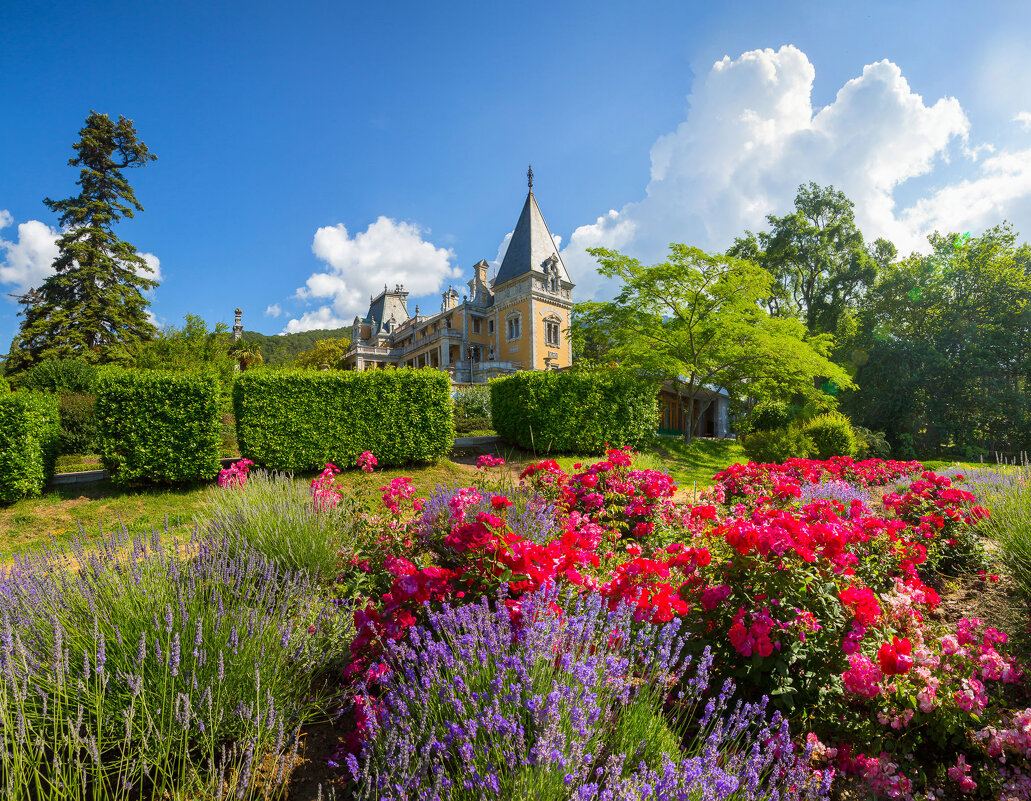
x,y
530,246
385,305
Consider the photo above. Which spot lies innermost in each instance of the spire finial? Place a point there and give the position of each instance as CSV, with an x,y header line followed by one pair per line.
x,y
529,177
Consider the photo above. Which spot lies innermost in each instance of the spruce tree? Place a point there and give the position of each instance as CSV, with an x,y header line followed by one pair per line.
x,y
93,305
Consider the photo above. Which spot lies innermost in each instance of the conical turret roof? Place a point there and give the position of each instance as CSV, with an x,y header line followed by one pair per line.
x,y
531,245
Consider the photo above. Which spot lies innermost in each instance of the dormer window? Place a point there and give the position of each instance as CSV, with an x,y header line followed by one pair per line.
x,y
551,272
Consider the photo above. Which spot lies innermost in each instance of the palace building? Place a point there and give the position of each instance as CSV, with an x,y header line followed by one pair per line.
x,y
516,321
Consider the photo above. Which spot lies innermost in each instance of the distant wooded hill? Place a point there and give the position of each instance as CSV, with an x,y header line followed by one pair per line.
x,y
280,349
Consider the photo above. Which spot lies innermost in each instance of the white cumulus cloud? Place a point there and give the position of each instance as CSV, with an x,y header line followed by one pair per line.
x,y
155,267
1024,118
27,259
317,320
273,310
387,252
751,136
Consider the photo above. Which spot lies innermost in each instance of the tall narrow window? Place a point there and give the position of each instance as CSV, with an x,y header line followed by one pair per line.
x,y
512,330
552,331
476,325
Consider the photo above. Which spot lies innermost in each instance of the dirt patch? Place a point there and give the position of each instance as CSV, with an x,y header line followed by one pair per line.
x,y
314,778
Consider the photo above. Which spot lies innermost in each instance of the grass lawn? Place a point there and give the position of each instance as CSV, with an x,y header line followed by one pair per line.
x,y
689,463
944,464
59,512
697,461
78,463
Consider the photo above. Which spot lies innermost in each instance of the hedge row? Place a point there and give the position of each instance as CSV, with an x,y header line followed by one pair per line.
x,y
300,420
579,412
159,426
29,430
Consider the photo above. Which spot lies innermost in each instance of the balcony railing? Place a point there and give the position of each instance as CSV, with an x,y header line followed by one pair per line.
x,y
362,350
422,342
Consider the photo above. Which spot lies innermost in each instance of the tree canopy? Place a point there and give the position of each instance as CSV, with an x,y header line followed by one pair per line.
x,y
325,351
698,320
942,349
94,302
817,258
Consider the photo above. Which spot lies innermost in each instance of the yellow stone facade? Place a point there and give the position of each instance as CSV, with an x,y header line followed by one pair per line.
x,y
518,320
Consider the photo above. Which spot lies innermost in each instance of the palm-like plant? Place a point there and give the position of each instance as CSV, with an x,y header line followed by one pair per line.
x,y
246,354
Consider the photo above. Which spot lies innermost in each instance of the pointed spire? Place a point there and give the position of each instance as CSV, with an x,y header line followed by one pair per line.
x,y
531,245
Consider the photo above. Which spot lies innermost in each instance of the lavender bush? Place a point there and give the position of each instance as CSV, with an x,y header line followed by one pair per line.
x,y
151,668
582,705
987,483
1007,495
835,490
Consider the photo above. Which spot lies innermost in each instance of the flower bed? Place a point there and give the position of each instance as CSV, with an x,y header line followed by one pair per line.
x,y
808,600
570,635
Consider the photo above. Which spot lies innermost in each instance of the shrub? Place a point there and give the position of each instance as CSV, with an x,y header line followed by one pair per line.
x,y
778,445
274,514
871,444
466,424
79,432
768,415
578,412
29,426
472,402
832,435
5,387
301,420
60,375
159,426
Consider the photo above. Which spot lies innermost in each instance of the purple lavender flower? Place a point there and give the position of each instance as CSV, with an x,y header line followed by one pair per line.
x,y
479,704
835,490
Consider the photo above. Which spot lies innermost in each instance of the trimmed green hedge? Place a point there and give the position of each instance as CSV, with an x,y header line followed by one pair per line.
x,y
29,430
300,420
158,426
573,412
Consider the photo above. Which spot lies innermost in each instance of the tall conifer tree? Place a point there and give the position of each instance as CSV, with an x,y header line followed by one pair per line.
x,y
93,304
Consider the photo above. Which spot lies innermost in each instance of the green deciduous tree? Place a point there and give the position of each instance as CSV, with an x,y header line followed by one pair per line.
x,y
817,257
93,302
326,351
943,348
698,320
192,347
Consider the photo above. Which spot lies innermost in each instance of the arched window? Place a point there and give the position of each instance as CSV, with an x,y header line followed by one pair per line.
x,y
553,330
512,326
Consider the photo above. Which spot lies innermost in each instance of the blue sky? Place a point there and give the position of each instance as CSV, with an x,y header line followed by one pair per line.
x,y
309,153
